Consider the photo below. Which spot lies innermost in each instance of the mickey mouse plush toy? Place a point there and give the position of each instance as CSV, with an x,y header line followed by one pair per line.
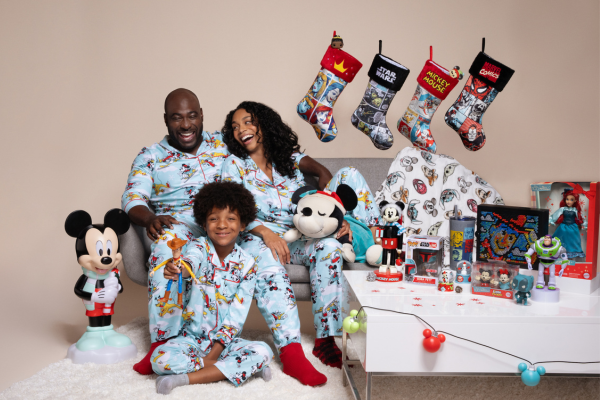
x,y
389,238
97,249
321,213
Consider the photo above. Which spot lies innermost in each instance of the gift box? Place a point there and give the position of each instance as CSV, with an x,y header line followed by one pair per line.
x,y
423,259
506,233
549,195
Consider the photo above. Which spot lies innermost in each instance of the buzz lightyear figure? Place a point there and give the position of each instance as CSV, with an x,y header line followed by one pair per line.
x,y
548,250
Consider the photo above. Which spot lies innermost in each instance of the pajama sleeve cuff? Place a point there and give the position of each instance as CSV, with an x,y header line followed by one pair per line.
x,y
128,206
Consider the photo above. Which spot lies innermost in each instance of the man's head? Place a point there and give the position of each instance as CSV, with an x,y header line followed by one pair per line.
x,y
184,120
224,209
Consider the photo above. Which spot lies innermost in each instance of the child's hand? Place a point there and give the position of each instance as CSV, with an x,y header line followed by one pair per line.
x,y
171,271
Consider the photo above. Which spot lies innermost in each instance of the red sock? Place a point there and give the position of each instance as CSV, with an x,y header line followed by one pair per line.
x,y
328,352
144,367
297,366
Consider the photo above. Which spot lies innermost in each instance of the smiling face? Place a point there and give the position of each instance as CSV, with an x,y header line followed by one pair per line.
x,y
223,227
184,120
570,201
246,131
333,95
102,251
314,217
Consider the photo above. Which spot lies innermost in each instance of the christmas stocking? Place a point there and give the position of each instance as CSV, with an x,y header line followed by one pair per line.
x,y
434,84
387,77
338,69
488,77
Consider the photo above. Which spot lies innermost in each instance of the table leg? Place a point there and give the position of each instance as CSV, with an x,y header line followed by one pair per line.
x,y
368,388
344,352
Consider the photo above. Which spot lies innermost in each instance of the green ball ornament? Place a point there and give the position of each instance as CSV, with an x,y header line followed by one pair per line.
x,y
353,313
350,325
363,327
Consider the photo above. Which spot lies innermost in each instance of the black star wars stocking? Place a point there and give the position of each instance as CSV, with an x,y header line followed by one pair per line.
x,y
387,77
434,84
488,77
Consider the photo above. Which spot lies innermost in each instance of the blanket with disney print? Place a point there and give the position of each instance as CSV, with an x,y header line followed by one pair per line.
x,y
430,185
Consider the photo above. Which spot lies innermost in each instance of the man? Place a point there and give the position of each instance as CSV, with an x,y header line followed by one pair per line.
x,y
161,186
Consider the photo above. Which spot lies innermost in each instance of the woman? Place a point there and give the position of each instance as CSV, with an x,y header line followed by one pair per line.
x,y
267,160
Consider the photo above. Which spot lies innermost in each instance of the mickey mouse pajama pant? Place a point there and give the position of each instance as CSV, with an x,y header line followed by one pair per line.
x,y
239,360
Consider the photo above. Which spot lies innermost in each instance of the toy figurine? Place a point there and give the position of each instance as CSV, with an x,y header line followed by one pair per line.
x,y
175,245
569,220
446,280
337,42
548,250
456,73
97,249
522,285
504,279
391,235
485,277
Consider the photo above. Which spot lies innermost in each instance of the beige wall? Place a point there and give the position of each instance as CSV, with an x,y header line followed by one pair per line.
x,y
82,87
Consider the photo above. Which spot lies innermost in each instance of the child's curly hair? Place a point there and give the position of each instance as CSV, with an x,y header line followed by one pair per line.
x,y
222,195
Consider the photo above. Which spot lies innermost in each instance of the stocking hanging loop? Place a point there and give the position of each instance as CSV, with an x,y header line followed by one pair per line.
x,y
431,53
483,45
380,47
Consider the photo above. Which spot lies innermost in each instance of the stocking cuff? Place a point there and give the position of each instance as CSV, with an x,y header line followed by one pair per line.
x,y
490,71
341,64
388,73
436,80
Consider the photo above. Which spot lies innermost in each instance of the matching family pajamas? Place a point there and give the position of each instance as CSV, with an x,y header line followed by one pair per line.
x,y
216,312
322,256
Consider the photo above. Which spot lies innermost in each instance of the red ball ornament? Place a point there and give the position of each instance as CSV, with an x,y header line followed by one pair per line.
x,y
432,343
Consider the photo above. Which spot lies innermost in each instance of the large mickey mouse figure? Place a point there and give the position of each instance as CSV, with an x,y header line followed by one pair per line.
x,y
321,213
97,249
389,238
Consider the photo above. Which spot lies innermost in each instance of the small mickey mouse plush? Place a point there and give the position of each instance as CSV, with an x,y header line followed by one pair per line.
x,y
389,237
321,213
97,249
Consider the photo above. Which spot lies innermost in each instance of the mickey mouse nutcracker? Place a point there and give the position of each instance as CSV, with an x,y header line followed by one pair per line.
x,y
389,237
97,249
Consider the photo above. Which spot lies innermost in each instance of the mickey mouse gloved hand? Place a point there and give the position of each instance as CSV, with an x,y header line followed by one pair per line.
x,y
106,295
112,282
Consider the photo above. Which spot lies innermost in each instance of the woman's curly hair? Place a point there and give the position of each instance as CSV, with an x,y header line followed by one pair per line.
x,y
222,195
278,139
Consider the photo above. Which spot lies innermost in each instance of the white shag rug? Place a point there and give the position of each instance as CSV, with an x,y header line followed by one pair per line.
x,y
65,380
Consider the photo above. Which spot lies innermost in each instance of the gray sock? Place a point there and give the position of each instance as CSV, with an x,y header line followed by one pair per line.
x,y
265,374
166,383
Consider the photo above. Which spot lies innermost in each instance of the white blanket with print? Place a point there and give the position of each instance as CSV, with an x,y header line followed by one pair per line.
x,y
430,185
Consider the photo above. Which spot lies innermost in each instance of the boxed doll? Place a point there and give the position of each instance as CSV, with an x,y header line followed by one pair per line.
x,y
493,279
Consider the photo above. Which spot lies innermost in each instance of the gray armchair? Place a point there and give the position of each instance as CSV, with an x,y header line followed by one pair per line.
x,y
135,245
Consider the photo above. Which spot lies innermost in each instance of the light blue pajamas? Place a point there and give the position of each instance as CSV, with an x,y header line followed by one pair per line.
x,y
322,256
166,180
216,311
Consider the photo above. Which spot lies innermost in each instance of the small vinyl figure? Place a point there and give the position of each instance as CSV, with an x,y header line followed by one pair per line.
x,y
337,42
456,73
97,249
569,220
446,280
391,235
504,279
548,250
522,285
484,277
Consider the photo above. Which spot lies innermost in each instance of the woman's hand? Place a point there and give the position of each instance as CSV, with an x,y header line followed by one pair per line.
x,y
278,247
345,230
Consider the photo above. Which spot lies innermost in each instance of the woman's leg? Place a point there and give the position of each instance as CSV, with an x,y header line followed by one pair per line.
x,y
324,258
277,304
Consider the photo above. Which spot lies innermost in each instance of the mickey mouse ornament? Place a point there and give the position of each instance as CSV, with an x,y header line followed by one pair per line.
x,y
433,340
97,249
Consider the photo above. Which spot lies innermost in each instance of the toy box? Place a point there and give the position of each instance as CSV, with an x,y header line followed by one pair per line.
x,y
423,259
549,195
505,233
493,278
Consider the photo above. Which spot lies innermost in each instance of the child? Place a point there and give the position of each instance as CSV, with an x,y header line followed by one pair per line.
x,y
209,347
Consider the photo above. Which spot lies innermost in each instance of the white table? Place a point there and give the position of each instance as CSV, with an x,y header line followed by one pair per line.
x,y
392,345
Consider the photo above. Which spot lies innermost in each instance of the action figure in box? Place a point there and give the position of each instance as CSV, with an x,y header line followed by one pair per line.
x,y
97,248
548,250
569,220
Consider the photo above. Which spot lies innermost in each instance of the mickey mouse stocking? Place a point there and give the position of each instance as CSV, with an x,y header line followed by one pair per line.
x,y
338,69
434,84
387,77
488,77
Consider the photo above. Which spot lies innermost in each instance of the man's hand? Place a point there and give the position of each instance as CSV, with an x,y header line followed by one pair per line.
x,y
154,227
345,229
106,295
278,247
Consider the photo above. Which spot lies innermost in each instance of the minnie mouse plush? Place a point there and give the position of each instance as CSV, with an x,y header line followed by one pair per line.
x,y
97,249
321,213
